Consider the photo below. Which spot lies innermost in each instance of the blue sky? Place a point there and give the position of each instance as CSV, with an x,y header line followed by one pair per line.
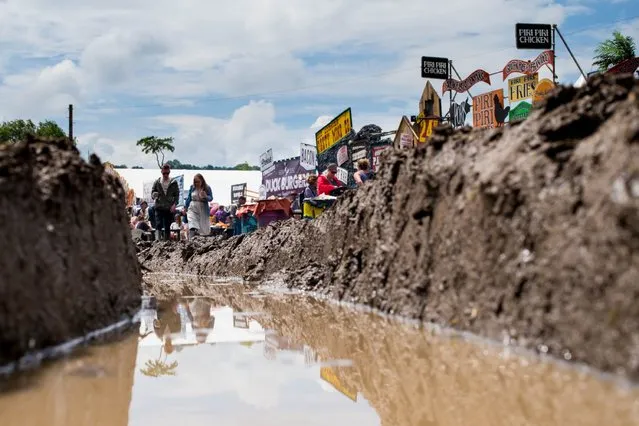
x,y
229,81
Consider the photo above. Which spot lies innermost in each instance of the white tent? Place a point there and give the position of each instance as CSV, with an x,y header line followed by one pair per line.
x,y
220,181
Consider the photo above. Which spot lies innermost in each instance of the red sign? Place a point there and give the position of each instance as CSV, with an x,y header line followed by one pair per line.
x,y
462,86
377,150
529,67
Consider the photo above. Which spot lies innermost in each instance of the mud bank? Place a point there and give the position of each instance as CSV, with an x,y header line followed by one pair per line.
x,y
528,234
68,262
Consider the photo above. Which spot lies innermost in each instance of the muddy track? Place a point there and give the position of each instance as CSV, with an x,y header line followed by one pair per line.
x,y
528,234
68,263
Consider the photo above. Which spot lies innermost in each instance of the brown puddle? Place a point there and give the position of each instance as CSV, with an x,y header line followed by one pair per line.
x,y
234,355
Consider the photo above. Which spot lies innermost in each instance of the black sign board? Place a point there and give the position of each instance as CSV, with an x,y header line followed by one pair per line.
x,y
237,191
434,67
533,36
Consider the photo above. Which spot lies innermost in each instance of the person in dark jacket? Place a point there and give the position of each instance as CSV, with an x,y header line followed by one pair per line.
x,y
166,194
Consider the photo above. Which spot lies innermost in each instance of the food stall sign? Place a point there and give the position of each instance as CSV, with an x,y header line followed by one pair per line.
x,y
342,155
541,91
489,111
237,191
533,36
520,112
308,156
520,88
377,151
266,160
433,67
342,175
406,140
330,134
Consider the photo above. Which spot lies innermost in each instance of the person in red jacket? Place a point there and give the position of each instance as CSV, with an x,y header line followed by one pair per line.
x,y
328,181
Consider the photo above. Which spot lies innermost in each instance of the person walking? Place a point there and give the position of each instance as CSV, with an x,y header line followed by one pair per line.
x,y
197,205
363,172
166,194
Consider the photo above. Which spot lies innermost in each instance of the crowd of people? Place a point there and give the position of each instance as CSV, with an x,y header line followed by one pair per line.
x,y
167,219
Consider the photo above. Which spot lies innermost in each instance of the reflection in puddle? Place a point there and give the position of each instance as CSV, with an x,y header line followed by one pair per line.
x,y
228,357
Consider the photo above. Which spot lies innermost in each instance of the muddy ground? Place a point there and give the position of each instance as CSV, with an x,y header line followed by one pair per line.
x,y
68,262
528,234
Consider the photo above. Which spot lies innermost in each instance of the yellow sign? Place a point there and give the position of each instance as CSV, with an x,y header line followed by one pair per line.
x,y
520,88
329,375
426,127
542,90
330,134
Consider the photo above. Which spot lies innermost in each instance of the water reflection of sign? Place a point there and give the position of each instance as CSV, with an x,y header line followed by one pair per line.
x,y
240,322
342,155
522,87
342,175
330,376
330,134
489,111
377,151
520,112
406,140
308,156
237,191
475,77
528,67
434,67
533,36
266,160
458,113
542,90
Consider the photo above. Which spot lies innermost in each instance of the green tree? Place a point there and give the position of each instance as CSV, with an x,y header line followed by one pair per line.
x,y
159,367
614,51
157,147
17,130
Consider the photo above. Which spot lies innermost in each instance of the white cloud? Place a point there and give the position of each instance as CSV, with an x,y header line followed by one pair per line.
x,y
106,57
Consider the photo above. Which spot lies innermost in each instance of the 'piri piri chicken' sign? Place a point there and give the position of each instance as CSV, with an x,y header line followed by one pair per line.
x,y
489,111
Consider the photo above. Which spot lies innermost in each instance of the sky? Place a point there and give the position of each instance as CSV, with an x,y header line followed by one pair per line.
x,y
229,80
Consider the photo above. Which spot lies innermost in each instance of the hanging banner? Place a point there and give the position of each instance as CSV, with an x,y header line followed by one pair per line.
x,y
529,67
180,182
458,113
308,156
533,36
266,161
541,90
522,87
377,151
147,189
489,111
520,112
477,76
330,134
342,155
434,67
237,191
287,176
